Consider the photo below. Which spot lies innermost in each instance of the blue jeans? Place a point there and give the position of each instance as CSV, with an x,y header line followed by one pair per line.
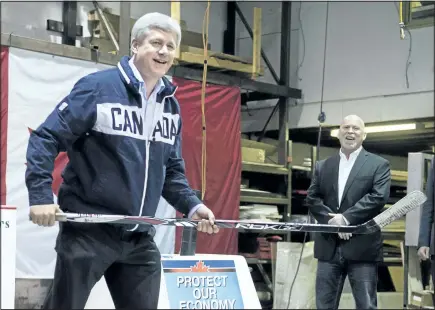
x,y
363,279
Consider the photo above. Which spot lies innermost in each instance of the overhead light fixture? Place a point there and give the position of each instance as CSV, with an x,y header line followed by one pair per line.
x,y
383,128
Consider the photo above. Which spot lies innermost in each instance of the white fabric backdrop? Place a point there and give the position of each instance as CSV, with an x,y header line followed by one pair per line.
x,y
37,82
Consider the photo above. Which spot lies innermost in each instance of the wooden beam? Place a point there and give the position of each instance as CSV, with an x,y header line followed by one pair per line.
x,y
176,14
256,43
86,54
192,58
415,4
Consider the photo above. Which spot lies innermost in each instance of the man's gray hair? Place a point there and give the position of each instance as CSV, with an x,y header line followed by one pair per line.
x,y
155,21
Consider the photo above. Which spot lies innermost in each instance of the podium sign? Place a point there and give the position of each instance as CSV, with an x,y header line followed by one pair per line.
x,y
196,282
207,282
8,249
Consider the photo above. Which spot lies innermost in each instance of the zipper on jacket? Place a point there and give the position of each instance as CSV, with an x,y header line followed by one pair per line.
x,y
147,150
147,147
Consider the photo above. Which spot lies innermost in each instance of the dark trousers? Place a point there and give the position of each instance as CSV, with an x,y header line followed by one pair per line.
x,y
129,261
330,279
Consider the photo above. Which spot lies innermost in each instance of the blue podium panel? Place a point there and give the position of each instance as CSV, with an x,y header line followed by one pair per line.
x,y
207,282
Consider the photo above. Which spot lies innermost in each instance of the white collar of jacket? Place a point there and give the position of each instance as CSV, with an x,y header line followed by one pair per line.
x,y
134,79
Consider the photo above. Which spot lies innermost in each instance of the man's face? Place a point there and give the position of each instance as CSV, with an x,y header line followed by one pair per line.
x,y
155,54
351,134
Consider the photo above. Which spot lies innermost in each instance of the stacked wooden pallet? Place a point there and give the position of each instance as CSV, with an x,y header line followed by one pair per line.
x,y
189,38
191,49
398,175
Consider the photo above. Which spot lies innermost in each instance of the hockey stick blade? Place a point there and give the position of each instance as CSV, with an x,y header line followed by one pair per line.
x,y
399,209
408,203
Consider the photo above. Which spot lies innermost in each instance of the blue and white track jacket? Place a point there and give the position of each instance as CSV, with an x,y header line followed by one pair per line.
x,y
122,157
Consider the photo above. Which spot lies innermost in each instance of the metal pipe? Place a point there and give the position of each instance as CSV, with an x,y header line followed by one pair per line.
x,y
230,32
284,72
263,131
188,238
263,54
283,134
69,17
188,241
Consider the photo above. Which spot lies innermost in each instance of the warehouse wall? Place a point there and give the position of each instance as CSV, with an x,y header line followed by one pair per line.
x,y
271,37
253,119
36,14
365,61
365,66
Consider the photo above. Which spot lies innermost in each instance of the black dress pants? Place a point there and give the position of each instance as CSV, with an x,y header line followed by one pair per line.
x,y
129,261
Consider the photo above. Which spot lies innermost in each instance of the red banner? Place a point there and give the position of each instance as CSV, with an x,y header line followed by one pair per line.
x,y
4,86
223,156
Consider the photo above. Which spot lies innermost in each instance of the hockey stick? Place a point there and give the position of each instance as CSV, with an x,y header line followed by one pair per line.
x,y
399,209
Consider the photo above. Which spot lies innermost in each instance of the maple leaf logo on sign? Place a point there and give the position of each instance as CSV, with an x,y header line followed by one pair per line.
x,y
199,267
59,164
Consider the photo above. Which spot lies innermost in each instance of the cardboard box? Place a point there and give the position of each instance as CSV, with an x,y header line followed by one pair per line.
x,y
253,155
422,298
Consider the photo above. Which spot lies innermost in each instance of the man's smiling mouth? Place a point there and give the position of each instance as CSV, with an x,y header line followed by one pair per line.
x,y
162,62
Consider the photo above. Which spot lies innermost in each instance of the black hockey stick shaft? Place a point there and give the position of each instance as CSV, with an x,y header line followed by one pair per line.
x,y
399,209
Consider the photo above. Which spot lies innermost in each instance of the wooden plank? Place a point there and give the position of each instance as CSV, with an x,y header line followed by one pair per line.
x,y
97,28
253,155
269,148
108,27
86,54
256,43
415,4
62,50
263,200
217,63
176,14
186,52
219,55
396,226
399,173
264,168
396,273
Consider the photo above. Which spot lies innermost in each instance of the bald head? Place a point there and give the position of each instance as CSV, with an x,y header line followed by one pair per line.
x,y
354,119
351,133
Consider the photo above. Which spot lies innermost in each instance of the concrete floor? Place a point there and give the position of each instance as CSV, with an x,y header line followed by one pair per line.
x,y
30,294
390,300
387,300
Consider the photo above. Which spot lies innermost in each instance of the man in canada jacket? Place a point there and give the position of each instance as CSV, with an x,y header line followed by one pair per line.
x,y
121,129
